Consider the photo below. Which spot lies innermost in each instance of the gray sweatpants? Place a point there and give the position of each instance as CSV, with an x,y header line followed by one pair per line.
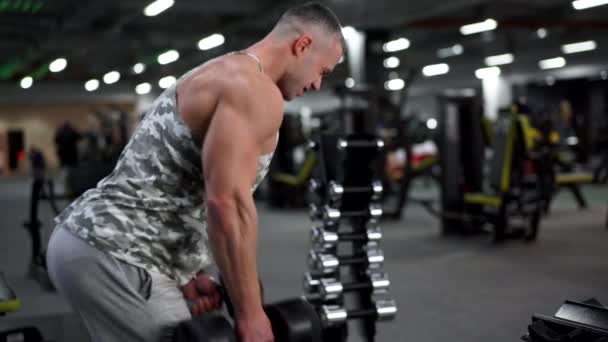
x,y
118,302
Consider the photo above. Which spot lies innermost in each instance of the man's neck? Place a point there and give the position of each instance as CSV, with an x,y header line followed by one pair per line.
x,y
272,57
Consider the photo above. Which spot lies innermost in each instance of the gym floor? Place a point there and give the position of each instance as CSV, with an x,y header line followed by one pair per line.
x,y
457,289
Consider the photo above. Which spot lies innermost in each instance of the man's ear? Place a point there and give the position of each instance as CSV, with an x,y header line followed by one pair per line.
x,y
302,44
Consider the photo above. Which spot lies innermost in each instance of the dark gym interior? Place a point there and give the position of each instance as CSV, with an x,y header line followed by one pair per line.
x,y
449,177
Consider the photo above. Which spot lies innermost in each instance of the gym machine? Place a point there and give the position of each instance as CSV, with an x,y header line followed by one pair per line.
x,y
574,322
512,200
9,302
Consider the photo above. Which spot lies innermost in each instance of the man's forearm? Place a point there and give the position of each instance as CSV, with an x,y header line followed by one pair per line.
x,y
233,234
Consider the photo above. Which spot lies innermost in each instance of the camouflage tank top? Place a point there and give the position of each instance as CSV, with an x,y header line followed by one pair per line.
x,y
150,210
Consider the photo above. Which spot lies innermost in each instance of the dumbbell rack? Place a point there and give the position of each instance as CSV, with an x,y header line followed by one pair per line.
x,y
345,261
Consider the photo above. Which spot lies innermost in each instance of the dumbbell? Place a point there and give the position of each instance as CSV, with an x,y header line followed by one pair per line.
x,y
315,186
328,214
316,190
324,239
311,282
331,288
293,320
326,263
325,213
337,191
328,289
383,310
344,144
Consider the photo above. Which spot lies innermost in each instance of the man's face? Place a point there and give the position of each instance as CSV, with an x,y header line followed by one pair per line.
x,y
313,63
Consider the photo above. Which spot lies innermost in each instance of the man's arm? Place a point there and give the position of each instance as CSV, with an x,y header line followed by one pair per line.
x,y
230,155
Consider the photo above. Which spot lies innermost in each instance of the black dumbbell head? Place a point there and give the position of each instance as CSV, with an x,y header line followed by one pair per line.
x,y
208,328
294,320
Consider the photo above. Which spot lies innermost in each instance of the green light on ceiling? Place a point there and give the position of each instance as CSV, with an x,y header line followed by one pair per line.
x,y
26,6
7,70
37,7
16,5
23,6
40,72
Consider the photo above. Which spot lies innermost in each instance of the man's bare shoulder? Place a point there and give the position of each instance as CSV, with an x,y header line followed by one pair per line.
x,y
228,82
250,91
233,80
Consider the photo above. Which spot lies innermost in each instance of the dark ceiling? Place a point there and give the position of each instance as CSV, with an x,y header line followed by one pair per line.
x,y
98,36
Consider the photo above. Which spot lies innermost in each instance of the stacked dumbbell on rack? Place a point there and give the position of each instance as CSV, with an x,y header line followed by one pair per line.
x,y
345,262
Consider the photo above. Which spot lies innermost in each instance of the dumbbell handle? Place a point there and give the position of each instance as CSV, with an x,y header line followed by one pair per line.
x,y
361,313
356,286
373,210
331,288
337,190
350,260
327,263
343,143
352,236
383,310
333,215
319,235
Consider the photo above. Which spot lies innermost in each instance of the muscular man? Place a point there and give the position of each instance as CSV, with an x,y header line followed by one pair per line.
x,y
180,198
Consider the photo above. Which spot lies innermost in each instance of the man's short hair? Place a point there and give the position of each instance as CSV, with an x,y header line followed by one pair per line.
x,y
315,14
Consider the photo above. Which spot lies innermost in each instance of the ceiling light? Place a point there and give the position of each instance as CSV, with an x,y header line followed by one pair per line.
x,y
166,82
391,62
58,65
435,70
463,92
491,72
394,84
396,45
157,7
91,85
584,4
139,68
26,82
579,47
457,49
503,59
211,41
111,77
431,123
451,51
143,88
552,63
487,25
168,57
542,33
